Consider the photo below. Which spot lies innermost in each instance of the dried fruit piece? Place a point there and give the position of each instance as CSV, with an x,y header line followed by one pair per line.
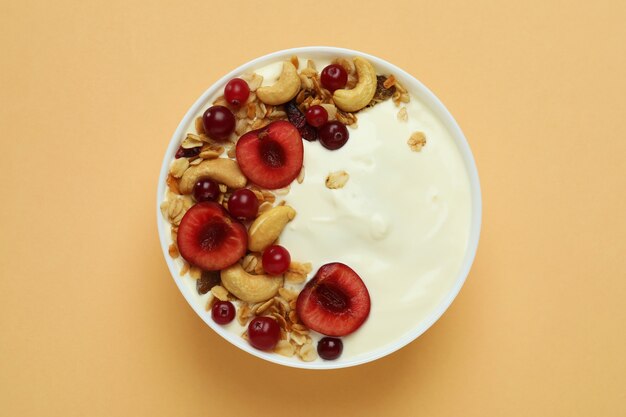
x,y
208,280
298,119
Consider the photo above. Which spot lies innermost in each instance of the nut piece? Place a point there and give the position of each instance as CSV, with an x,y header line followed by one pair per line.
x,y
417,141
247,287
337,179
178,167
403,116
224,171
286,88
298,272
362,93
283,347
268,227
307,353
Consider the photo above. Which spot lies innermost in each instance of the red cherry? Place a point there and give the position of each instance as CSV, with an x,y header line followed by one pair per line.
x,y
236,92
316,116
276,260
223,312
206,190
329,348
333,135
219,122
263,333
243,204
334,77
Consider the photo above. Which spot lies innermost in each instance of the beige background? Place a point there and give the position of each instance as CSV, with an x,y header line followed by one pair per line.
x,y
91,322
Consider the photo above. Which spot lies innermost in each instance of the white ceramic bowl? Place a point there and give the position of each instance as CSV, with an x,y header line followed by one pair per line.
x,y
417,89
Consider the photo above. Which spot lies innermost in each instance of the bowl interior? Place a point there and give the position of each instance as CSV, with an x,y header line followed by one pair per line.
x,y
417,89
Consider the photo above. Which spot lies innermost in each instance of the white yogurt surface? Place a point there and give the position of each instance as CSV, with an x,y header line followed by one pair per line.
x,y
401,222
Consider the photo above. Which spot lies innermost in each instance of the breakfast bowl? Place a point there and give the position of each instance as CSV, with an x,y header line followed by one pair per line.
x,y
319,207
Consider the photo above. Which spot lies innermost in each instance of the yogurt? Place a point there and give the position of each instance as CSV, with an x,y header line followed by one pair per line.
x,y
402,220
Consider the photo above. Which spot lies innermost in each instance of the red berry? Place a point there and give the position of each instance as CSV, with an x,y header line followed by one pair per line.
x,y
223,312
272,156
316,116
209,238
236,92
335,302
333,135
329,348
276,260
263,333
334,77
243,204
206,190
219,122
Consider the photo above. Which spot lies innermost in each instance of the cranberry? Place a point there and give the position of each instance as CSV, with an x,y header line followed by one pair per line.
x,y
223,312
187,153
263,333
236,92
243,204
333,135
206,190
276,260
334,77
316,116
329,348
219,122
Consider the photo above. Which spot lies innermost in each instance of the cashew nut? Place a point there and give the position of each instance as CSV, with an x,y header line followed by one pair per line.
x,y
364,90
286,88
268,226
223,170
247,287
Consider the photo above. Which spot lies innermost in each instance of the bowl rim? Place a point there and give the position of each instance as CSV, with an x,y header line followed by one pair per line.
x,y
444,116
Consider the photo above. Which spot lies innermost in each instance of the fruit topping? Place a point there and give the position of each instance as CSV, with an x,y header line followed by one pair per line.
x,y
236,92
335,302
263,333
209,238
187,153
276,260
298,119
223,312
208,280
218,122
316,116
272,156
333,135
206,190
329,348
334,77
243,204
